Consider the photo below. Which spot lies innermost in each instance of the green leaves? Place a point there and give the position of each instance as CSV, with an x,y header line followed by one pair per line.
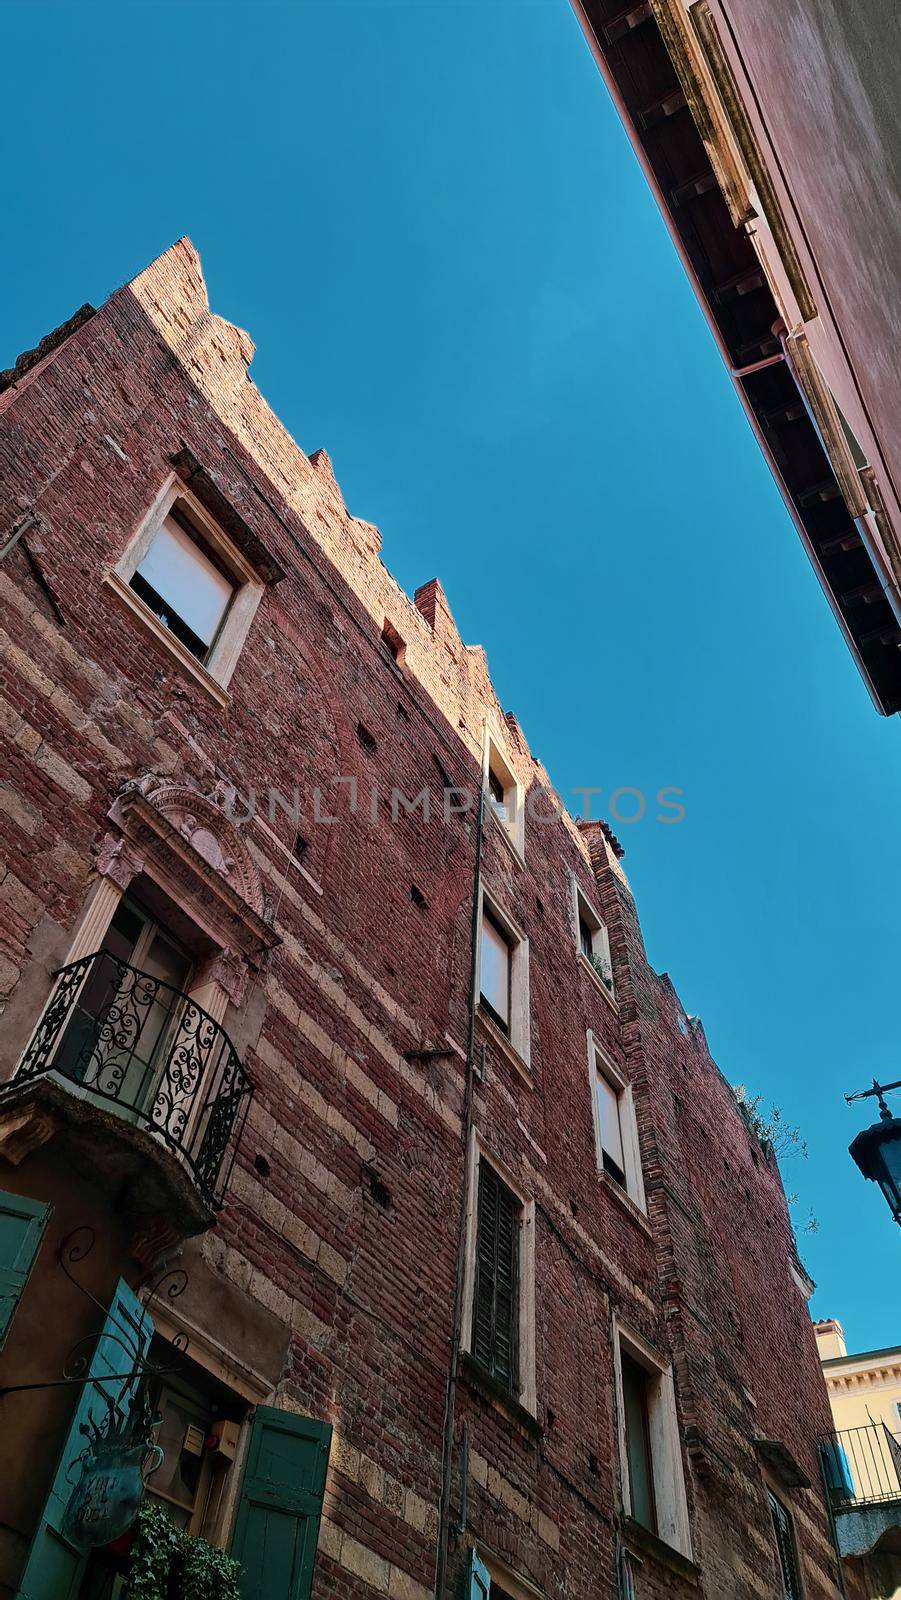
x,y
167,1564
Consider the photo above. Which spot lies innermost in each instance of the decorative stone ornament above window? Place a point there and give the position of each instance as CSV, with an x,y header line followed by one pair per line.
x,y
195,581
185,842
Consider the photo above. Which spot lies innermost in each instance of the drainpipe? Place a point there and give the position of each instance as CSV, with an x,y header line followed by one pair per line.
x,y
468,1089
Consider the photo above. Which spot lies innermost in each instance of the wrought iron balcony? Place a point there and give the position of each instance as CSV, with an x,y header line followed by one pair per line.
x,y
160,1062
862,1466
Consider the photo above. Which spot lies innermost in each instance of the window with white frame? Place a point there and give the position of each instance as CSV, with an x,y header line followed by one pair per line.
x,y
615,1126
184,585
786,1548
190,585
490,1578
593,939
499,1282
505,795
504,976
653,1479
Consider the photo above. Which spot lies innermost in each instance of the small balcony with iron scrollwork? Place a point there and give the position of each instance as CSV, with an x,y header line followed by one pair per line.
x,y
145,1085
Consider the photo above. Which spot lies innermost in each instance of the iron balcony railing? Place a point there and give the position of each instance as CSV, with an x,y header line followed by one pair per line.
x,y
862,1466
162,1061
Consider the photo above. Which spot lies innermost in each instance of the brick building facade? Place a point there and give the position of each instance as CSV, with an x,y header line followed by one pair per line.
x,y
491,1263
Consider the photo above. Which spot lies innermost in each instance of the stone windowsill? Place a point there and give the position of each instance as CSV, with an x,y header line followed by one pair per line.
x,y
509,1051
514,849
476,1378
598,981
632,1209
643,1544
164,637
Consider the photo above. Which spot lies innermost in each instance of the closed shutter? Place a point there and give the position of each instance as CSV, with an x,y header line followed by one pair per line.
x,y
479,1585
785,1545
280,1505
496,1298
54,1566
22,1224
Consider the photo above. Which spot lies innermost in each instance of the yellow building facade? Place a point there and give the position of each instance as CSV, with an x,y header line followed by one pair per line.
x,y
864,1388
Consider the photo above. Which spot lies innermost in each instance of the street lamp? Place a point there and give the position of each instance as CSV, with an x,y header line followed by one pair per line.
x,y
877,1150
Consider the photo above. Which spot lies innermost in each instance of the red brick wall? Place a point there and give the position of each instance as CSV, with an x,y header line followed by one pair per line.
x,y
363,977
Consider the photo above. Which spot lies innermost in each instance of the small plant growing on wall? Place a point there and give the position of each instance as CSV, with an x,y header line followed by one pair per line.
x,y
598,963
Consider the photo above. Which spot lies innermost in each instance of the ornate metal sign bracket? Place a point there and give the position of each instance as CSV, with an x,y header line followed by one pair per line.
x,y
168,1285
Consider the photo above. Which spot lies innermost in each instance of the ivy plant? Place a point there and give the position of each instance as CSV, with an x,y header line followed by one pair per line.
x,y
156,1544
167,1564
205,1573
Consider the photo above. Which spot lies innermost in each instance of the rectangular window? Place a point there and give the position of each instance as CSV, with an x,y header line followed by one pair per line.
x,y
611,1136
593,940
505,794
615,1127
650,1444
786,1549
193,587
638,1443
184,586
494,970
198,1428
495,1317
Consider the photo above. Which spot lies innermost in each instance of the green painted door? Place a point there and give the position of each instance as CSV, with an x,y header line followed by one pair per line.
x,y
54,1567
277,1524
22,1224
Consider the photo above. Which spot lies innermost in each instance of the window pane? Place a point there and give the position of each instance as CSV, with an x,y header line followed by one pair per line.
x,y
178,571
638,1443
608,1116
494,970
586,938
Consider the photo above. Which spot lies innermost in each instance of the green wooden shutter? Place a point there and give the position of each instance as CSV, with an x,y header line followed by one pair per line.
x,y
277,1525
496,1297
783,1532
22,1224
54,1567
479,1587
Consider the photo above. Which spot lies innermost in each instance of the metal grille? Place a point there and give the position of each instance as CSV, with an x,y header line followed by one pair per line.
x,y
496,1307
127,1037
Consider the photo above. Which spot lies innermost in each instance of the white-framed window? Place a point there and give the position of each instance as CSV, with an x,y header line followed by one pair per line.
x,y
504,975
490,1578
498,1330
190,586
615,1127
788,1564
653,1479
505,795
593,940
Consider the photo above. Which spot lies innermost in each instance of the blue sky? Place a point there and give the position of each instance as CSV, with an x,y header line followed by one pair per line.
x,y
431,223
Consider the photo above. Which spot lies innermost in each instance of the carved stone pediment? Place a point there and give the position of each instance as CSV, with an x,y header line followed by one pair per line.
x,y
186,842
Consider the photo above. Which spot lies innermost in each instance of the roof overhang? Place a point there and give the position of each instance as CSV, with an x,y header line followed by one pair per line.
x,y
697,197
